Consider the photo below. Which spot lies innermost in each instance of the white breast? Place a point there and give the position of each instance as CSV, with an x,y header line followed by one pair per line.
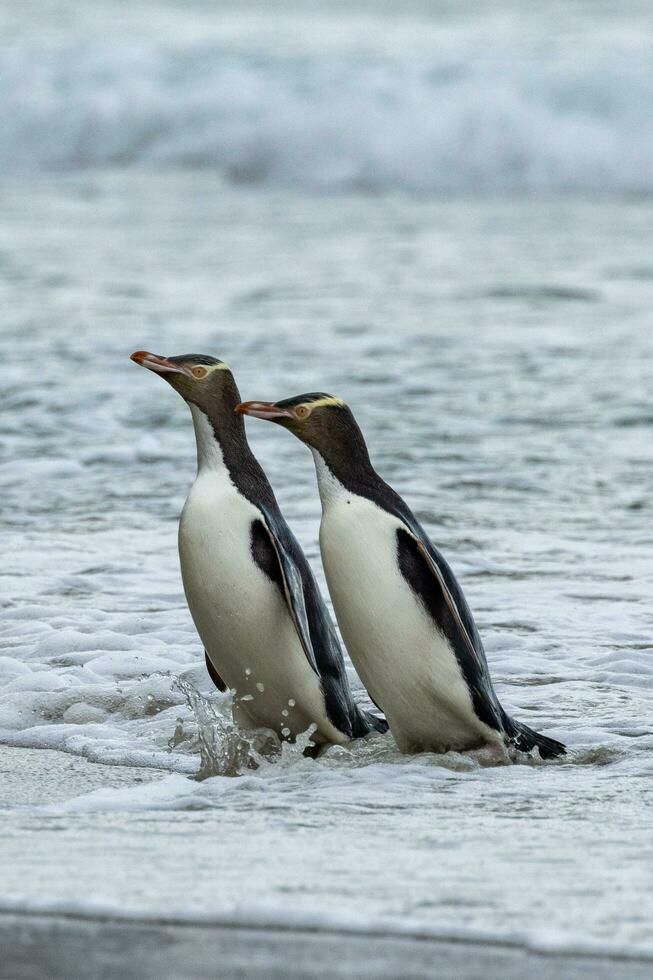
x,y
407,665
239,613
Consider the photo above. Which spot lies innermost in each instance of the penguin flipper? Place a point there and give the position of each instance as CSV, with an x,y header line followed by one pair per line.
x,y
214,675
293,592
311,619
421,566
454,617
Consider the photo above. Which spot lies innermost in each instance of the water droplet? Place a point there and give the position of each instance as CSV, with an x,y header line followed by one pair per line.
x,y
292,702
260,687
247,697
285,732
248,671
284,712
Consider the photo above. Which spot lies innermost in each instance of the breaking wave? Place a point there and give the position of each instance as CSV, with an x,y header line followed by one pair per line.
x,y
451,121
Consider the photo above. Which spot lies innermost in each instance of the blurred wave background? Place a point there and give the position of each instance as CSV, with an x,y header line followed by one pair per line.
x,y
466,95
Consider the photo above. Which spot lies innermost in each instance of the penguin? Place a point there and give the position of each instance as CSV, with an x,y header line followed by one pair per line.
x,y
251,593
402,614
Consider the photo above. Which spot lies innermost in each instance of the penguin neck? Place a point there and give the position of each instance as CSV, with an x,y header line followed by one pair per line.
x,y
223,453
210,451
336,482
345,470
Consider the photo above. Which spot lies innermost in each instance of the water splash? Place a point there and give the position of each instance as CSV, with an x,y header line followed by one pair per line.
x,y
301,748
225,750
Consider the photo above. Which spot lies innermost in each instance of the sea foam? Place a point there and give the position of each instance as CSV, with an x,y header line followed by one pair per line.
x,y
461,119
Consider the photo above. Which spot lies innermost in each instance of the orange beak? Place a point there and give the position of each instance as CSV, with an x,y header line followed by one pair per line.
x,y
158,364
264,410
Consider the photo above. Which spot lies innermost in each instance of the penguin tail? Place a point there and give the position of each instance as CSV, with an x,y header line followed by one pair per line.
x,y
526,739
365,722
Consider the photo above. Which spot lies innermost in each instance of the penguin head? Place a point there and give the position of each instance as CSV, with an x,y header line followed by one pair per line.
x,y
200,380
318,419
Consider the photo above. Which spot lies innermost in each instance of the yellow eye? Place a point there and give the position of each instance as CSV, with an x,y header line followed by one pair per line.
x,y
199,372
302,411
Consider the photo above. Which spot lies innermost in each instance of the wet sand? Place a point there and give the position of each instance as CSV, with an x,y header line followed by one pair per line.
x,y
65,948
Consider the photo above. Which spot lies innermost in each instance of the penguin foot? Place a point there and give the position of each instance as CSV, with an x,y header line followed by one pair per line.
x,y
525,739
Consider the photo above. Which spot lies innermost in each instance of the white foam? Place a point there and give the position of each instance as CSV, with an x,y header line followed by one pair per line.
x,y
521,116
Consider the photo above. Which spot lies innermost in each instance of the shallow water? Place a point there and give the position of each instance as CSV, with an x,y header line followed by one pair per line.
x,y
497,354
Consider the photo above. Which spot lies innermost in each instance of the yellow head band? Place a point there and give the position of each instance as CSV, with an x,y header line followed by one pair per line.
x,y
329,400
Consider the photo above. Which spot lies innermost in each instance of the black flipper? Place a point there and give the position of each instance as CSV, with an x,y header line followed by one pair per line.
x,y
444,600
214,675
425,574
292,589
314,627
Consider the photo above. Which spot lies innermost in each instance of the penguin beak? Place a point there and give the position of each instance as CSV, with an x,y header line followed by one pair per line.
x,y
263,410
160,365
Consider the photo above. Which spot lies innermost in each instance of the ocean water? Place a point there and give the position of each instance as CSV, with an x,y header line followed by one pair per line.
x,y
496,348
432,96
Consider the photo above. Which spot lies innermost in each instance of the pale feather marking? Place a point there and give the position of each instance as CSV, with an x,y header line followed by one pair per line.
x,y
327,400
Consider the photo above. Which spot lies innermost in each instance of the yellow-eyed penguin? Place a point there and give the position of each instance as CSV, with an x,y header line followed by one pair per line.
x,y
251,593
402,614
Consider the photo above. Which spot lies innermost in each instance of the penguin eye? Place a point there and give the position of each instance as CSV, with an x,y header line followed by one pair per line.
x,y
302,411
199,372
